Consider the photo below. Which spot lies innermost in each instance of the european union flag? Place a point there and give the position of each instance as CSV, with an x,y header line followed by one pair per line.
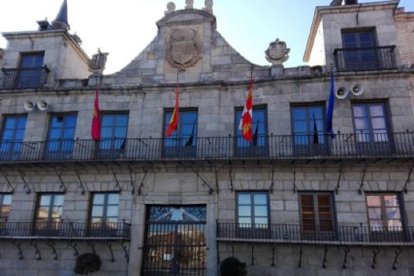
x,y
329,113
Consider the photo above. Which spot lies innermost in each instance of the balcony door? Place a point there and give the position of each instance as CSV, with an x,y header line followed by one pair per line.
x,y
30,70
360,50
308,127
60,140
12,137
48,214
114,127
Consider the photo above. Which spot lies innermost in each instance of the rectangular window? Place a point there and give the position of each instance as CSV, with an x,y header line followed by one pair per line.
x,y
60,140
371,127
183,141
114,128
360,52
253,214
30,70
48,214
308,130
104,214
317,216
385,217
12,136
259,144
5,203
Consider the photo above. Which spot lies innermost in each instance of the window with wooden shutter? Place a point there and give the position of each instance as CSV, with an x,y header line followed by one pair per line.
x,y
317,213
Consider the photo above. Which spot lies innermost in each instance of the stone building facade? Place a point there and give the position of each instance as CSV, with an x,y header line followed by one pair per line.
x,y
291,201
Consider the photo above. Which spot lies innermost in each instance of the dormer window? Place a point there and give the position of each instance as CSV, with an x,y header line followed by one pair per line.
x,y
30,70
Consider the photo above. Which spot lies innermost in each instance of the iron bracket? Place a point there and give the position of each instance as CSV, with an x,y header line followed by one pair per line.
x,y
52,246
62,184
80,182
73,245
112,253
142,182
92,246
9,185
374,258
210,190
338,183
19,249
361,186
408,180
273,180
273,256
345,257
325,260
124,247
26,186
300,256
397,254
116,181
37,251
295,189
252,256
231,179
131,180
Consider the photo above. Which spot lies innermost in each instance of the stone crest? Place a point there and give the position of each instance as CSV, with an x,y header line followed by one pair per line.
x,y
183,51
277,52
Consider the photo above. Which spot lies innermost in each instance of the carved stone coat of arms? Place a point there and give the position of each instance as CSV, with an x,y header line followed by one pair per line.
x,y
183,50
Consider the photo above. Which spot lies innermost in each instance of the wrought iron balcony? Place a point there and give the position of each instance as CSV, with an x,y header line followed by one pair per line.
x,y
64,230
273,147
293,233
22,78
364,59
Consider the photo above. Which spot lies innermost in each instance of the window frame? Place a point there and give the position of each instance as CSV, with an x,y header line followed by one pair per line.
x,y
317,232
62,147
253,229
112,147
4,219
387,143
12,152
104,227
306,145
383,207
34,72
180,144
50,226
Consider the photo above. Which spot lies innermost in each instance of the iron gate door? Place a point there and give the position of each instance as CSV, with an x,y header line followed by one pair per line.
x,y
175,242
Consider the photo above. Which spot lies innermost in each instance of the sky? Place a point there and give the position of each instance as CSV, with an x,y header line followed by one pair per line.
x,y
125,27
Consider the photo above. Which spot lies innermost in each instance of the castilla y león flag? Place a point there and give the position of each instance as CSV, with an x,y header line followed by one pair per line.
x,y
246,120
96,119
173,124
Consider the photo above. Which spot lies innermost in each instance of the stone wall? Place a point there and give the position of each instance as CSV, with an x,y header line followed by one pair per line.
x,y
405,28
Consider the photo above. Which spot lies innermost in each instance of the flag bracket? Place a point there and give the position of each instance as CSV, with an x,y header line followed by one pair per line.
x,y
344,263
408,180
80,182
116,180
211,190
361,186
26,186
62,184
142,182
9,185
397,254
338,182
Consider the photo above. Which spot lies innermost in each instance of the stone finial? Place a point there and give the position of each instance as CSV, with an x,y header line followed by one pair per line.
x,y
277,52
170,8
189,4
208,6
97,62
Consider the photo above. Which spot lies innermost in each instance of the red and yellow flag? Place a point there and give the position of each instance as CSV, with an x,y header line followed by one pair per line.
x,y
96,119
246,120
173,124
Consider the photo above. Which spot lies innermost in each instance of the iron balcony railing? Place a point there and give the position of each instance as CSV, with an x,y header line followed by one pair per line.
x,y
64,230
362,59
22,78
293,233
361,145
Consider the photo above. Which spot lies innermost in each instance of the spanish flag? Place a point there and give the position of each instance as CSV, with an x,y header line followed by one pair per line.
x,y
96,119
246,120
173,124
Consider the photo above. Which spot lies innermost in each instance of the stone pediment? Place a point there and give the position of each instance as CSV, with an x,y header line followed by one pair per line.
x,y
186,39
